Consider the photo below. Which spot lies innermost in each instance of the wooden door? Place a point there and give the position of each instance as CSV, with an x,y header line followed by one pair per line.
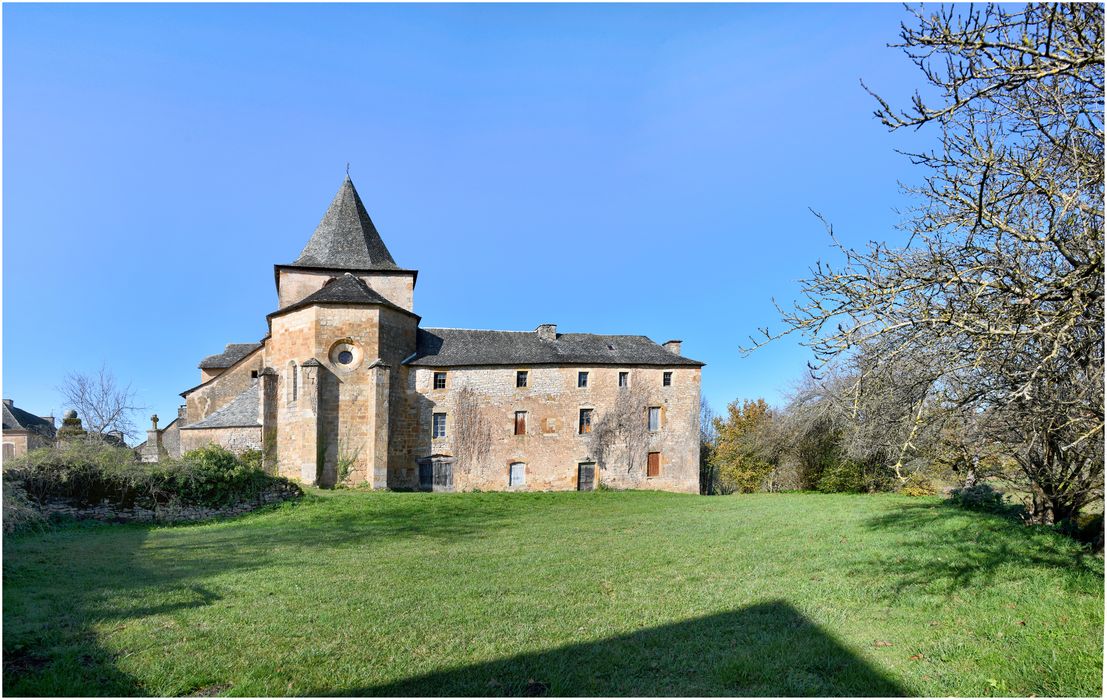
x,y
586,476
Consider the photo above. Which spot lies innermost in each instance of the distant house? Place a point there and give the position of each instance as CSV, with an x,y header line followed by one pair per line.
x,y
348,386
23,431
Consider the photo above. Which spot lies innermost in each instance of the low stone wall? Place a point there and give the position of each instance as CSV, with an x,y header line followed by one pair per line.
x,y
164,514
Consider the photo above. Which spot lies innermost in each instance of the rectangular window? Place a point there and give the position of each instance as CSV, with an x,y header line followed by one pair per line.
x,y
654,420
653,464
517,475
585,420
521,379
586,476
438,425
667,379
624,380
582,379
520,422
439,380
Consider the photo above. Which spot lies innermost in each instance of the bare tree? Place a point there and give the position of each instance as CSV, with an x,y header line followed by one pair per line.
x,y
104,406
997,295
709,473
620,438
473,441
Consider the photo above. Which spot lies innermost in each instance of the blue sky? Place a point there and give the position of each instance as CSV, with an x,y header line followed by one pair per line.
x,y
639,169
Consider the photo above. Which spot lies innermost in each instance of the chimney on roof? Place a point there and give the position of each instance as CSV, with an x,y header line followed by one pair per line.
x,y
8,403
547,331
672,346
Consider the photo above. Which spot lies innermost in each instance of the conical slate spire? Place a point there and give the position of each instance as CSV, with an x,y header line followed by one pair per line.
x,y
346,238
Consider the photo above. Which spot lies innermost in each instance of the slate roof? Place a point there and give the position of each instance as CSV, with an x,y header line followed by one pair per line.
x,y
457,347
230,355
18,419
241,412
347,289
346,238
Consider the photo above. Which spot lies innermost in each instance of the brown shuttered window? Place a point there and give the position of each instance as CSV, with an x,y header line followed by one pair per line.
x,y
653,464
520,422
585,420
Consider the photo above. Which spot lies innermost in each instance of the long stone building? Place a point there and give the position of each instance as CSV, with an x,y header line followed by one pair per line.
x,y
347,387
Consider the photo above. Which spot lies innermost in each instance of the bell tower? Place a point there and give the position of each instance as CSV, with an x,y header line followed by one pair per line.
x,y
346,240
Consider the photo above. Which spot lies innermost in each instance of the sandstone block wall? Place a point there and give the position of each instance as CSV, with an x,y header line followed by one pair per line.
x,y
209,398
237,440
329,432
397,287
16,444
480,406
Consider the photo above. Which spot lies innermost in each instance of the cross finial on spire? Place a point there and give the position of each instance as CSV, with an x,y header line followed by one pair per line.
x,y
347,168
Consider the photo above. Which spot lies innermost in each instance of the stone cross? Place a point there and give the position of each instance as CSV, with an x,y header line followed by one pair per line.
x,y
154,420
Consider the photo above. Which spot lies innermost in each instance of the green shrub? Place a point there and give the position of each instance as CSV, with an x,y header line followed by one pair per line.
x,y
1086,528
210,476
842,477
918,485
853,476
80,471
984,498
251,459
19,512
89,473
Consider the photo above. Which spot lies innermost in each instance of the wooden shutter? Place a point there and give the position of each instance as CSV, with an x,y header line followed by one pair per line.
x,y
653,464
520,422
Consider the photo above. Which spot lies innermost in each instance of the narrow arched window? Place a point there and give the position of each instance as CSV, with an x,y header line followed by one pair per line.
x,y
294,382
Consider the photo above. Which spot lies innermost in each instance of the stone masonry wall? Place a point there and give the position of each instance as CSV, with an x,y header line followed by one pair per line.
x,y
209,398
18,440
326,433
237,440
480,406
397,287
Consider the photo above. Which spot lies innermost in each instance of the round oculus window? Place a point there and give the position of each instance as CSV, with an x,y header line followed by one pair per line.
x,y
345,355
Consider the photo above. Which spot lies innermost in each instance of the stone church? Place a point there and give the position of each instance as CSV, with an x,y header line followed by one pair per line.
x,y
347,387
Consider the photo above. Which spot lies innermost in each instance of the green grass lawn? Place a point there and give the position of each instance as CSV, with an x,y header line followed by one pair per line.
x,y
563,594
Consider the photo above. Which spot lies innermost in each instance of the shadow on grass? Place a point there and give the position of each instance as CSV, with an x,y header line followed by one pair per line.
x,y
63,587
947,549
762,650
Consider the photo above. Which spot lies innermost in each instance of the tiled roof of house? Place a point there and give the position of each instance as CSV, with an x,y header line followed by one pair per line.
x,y
241,412
456,347
346,238
18,419
347,289
232,354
